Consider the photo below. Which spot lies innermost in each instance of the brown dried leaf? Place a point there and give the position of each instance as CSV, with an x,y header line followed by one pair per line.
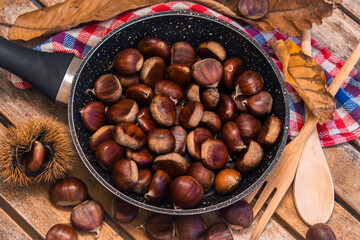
x,y
306,77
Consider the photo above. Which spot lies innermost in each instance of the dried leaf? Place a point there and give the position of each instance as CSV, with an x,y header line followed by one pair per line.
x,y
289,17
306,77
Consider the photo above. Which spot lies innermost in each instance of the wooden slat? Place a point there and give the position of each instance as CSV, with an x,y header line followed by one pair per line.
x,y
9,229
339,34
353,6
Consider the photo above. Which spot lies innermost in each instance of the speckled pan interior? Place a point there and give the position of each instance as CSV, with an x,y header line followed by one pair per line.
x,y
172,27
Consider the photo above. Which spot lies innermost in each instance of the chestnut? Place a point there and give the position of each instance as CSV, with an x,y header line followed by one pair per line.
x,y
69,191
226,181
170,89
259,104
191,227
219,231
161,141
211,121
93,115
249,126
249,159
107,89
143,156
210,98
239,101
35,157
178,109
141,93
211,49
159,187
163,110
180,135
192,93
179,74
232,69
253,9
129,135
160,227
172,163
122,211
61,232
88,216
153,46
207,72
214,154
128,61
183,53
108,153
152,71
125,174
248,83
124,110
195,139
231,136
186,192
103,134
239,215
205,177
143,183
269,132
191,115
320,231
128,80
145,121
226,108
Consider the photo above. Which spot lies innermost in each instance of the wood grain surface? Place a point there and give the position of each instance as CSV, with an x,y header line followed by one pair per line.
x,y
10,230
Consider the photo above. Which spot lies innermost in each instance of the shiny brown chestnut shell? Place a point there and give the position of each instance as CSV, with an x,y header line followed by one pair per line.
x,y
161,141
186,192
69,191
195,139
183,53
231,136
211,49
211,121
160,227
254,9
180,135
179,74
87,216
108,153
320,231
214,154
129,61
103,134
210,98
250,158
219,231
207,72
107,89
152,71
239,101
191,227
128,80
35,158
143,156
163,110
153,46
145,120
249,126
93,115
269,132
159,187
178,109
248,83
124,110
226,181
144,181
226,108
125,174
239,215
122,211
191,114
259,104
170,89
61,232
232,69
129,135
172,163
141,93
205,177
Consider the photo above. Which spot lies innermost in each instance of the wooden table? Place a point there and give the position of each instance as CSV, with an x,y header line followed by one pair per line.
x,y
26,212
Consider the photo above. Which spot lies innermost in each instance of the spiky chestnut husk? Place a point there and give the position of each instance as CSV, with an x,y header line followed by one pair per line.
x,y
16,141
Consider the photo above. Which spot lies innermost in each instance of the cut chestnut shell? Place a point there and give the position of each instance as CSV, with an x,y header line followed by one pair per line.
x,y
103,134
93,115
141,93
163,110
124,110
211,49
186,192
128,61
107,89
205,177
183,53
249,159
129,135
207,72
159,187
161,141
108,153
125,174
172,163
152,71
269,131
191,115
214,154
170,89
195,139
153,46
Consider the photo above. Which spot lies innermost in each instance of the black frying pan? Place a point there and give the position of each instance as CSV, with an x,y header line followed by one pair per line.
x,y
171,27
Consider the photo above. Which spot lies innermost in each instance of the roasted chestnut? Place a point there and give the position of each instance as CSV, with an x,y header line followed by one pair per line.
x,y
183,53
129,135
88,216
159,187
248,125
205,177
320,231
191,227
254,9
145,120
172,163
93,115
227,180
144,181
232,69
248,83
161,141
141,93
207,72
35,158
210,98
259,104
192,93
124,110
239,215
211,49
269,132
61,232
160,227
180,135
195,139
231,136
226,108
250,158
152,71
191,115
170,89
211,121
163,110
179,74
128,80
186,192
219,231
125,174
103,134
153,46
143,156
128,61
214,154
122,211
108,153
107,89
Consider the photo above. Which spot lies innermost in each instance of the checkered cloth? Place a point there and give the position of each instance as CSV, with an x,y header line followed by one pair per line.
x,y
345,126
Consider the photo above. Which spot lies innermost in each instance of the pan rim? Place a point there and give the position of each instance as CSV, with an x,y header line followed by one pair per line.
x,y
152,208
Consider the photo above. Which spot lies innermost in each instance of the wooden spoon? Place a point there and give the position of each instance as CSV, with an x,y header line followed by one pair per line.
x,y
313,186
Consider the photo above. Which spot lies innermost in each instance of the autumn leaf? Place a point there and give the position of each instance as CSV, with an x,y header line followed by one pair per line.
x,y
289,16
306,77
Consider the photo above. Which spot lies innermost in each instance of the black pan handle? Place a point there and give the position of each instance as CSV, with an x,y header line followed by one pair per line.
x,y
43,70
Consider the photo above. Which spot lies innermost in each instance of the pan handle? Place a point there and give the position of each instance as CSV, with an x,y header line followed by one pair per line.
x,y
43,70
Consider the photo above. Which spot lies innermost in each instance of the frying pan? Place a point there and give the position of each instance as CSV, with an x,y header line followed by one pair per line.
x,y
64,78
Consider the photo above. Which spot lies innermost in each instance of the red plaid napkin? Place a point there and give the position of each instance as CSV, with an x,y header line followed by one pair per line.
x,y
346,125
